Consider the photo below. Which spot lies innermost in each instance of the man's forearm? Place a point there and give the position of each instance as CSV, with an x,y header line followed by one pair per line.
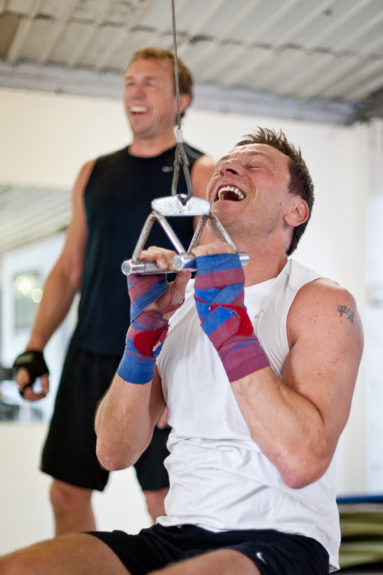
x,y
56,301
123,424
287,427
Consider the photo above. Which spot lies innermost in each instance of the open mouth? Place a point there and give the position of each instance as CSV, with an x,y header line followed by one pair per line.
x,y
229,193
137,109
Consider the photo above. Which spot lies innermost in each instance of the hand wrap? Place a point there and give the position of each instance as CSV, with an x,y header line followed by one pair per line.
x,y
33,361
219,296
147,330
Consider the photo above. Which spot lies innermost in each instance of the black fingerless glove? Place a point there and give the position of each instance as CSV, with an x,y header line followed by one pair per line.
x,y
33,361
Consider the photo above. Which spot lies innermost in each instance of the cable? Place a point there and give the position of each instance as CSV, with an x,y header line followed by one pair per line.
x,y
180,154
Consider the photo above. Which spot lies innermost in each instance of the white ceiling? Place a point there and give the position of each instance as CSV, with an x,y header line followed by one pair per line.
x,y
315,60
311,59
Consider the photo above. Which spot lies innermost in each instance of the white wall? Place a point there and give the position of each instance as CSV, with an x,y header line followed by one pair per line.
x,y
36,257
374,316
44,140
25,513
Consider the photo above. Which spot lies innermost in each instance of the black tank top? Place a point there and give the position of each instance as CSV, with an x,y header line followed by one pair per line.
x,y
117,202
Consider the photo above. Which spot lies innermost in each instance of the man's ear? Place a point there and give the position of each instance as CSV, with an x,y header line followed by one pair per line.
x,y
185,101
298,213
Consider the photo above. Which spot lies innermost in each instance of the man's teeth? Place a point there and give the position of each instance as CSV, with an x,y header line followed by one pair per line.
x,y
138,109
230,193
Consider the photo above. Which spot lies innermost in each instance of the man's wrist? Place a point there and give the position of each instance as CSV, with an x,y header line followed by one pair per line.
x,y
219,296
144,340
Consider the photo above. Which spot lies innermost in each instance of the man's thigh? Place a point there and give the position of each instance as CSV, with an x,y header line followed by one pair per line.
x,y
223,561
75,554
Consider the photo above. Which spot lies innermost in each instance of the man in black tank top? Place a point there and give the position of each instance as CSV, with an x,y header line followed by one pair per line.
x,y
111,200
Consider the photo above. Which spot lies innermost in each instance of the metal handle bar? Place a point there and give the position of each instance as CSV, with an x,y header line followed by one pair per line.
x,y
180,262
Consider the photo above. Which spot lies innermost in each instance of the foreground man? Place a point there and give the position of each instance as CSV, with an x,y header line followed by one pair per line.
x,y
257,369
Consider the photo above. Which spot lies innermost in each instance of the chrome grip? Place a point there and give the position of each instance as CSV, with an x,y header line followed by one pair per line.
x,y
187,262
180,262
144,268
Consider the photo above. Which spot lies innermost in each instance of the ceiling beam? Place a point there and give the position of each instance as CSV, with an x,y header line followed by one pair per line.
x,y
90,33
57,79
292,31
57,29
353,8
22,32
121,34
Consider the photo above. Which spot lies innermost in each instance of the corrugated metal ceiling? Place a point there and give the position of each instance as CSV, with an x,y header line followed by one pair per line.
x,y
316,60
323,56
29,214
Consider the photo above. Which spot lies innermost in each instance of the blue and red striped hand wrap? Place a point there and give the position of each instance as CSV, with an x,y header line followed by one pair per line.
x,y
219,296
147,330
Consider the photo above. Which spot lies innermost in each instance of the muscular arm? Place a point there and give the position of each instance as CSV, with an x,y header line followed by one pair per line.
x,y
127,414
125,420
297,419
65,278
60,287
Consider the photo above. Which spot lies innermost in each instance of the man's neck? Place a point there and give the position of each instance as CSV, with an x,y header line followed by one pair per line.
x,y
267,260
260,271
149,147
267,256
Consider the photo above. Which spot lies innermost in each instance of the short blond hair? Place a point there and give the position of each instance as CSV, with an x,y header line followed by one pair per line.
x,y
185,78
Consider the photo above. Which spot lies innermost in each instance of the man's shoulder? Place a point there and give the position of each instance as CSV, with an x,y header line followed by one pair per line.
x,y
109,161
300,274
321,292
113,156
193,152
310,278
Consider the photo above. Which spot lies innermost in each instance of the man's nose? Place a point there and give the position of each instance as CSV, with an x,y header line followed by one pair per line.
x,y
230,167
137,91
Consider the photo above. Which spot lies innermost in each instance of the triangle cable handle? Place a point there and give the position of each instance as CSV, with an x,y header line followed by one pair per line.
x,y
183,260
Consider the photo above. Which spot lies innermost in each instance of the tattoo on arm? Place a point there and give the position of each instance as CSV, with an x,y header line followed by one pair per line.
x,y
344,310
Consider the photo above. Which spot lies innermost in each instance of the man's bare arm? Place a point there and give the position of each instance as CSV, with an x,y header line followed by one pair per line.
x,y
62,283
129,411
297,419
125,420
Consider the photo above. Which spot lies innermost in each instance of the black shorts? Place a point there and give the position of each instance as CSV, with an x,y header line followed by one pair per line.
x,y
69,453
274,553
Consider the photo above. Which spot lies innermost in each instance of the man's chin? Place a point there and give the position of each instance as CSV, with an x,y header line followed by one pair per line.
x,y
226,209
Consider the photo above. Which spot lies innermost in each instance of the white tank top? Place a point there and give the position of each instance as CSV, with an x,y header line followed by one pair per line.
x,y
219,478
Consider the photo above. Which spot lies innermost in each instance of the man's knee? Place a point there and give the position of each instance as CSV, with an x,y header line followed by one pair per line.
x,y
155,502
64,496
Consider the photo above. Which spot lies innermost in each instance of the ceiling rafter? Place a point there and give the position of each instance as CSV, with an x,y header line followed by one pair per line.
x,y
335,24
301,24
57,29
121,35
22,32
90,33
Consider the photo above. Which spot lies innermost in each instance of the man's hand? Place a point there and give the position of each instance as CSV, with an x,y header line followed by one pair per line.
x,y
216,247
171,299
153,300
29,366
219,296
